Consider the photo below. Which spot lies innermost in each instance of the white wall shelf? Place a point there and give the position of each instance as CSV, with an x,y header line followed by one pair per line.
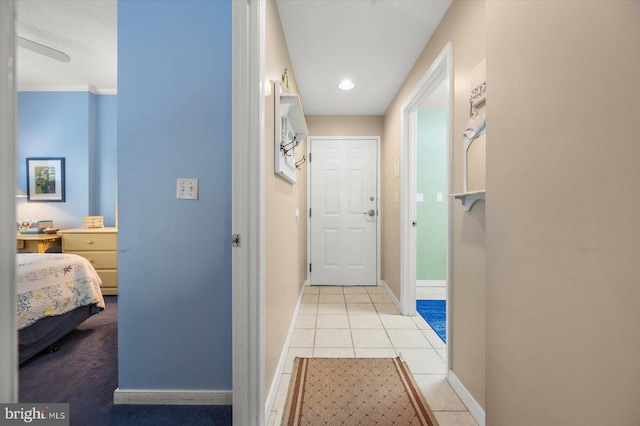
x,y
290,129
469,198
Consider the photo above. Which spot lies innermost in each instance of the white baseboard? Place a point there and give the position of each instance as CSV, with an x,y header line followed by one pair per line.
x,y
171,397
393,297
431,283
472,405
273,389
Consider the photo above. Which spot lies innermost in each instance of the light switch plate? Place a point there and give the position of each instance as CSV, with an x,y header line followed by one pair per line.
x,y
187,189
420,197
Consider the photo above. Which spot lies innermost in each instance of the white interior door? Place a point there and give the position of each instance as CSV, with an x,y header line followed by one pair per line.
x,y
344,211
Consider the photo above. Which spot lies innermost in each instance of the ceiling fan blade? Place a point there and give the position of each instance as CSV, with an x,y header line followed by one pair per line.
x,y
42,49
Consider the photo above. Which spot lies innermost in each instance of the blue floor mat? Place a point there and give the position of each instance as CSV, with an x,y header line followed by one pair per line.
x,y
435,313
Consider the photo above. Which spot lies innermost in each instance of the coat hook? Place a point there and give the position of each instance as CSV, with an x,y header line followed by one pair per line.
x,y
300,162
286,148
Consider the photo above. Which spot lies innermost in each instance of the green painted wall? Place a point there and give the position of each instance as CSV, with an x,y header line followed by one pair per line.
x,y
431,249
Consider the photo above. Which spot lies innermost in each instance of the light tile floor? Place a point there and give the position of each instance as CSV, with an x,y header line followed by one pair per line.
x,y
363,322
431,293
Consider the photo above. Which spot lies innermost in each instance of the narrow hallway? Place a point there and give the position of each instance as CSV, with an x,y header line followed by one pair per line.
x,y
363,322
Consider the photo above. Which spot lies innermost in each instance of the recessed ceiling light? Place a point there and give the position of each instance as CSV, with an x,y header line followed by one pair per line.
x,y
346,85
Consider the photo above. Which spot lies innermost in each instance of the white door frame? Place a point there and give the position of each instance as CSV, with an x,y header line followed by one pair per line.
x,y
248,212
8,185
441,69
378,201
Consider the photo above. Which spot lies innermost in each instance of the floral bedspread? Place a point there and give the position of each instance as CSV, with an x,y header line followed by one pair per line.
x,y
54,284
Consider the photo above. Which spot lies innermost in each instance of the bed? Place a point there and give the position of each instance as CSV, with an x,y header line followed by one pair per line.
x,y
56,293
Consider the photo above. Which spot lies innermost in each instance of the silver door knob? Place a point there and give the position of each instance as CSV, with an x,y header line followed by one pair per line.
x,y
370,212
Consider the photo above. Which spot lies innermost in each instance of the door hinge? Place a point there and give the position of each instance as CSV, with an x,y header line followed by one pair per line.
x,y
235,240
309,157
309,211
309,267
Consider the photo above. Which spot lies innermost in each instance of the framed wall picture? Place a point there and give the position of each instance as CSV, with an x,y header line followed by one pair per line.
x,y
45,179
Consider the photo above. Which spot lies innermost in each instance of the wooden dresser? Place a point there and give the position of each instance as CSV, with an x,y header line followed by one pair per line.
x,y
100,247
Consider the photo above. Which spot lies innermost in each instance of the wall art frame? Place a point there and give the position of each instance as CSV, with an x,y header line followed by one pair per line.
x,y
45,179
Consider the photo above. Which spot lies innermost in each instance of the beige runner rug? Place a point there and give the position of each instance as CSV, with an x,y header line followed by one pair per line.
x,y
354,391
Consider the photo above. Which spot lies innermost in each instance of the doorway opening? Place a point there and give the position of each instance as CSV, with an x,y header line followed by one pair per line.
x,y
425,182
431,214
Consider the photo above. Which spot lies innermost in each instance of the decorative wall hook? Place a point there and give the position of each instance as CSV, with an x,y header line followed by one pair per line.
x,y
300,162
288,147
478,97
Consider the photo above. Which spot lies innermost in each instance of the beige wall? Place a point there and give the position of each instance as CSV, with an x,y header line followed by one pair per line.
x,y
464,26
345,125
286,244
563,237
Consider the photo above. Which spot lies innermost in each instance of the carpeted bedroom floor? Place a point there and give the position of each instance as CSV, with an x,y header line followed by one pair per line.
x,y
84,373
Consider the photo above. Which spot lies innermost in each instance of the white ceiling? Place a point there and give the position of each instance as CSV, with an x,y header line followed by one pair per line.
x,y
373,42
84,30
